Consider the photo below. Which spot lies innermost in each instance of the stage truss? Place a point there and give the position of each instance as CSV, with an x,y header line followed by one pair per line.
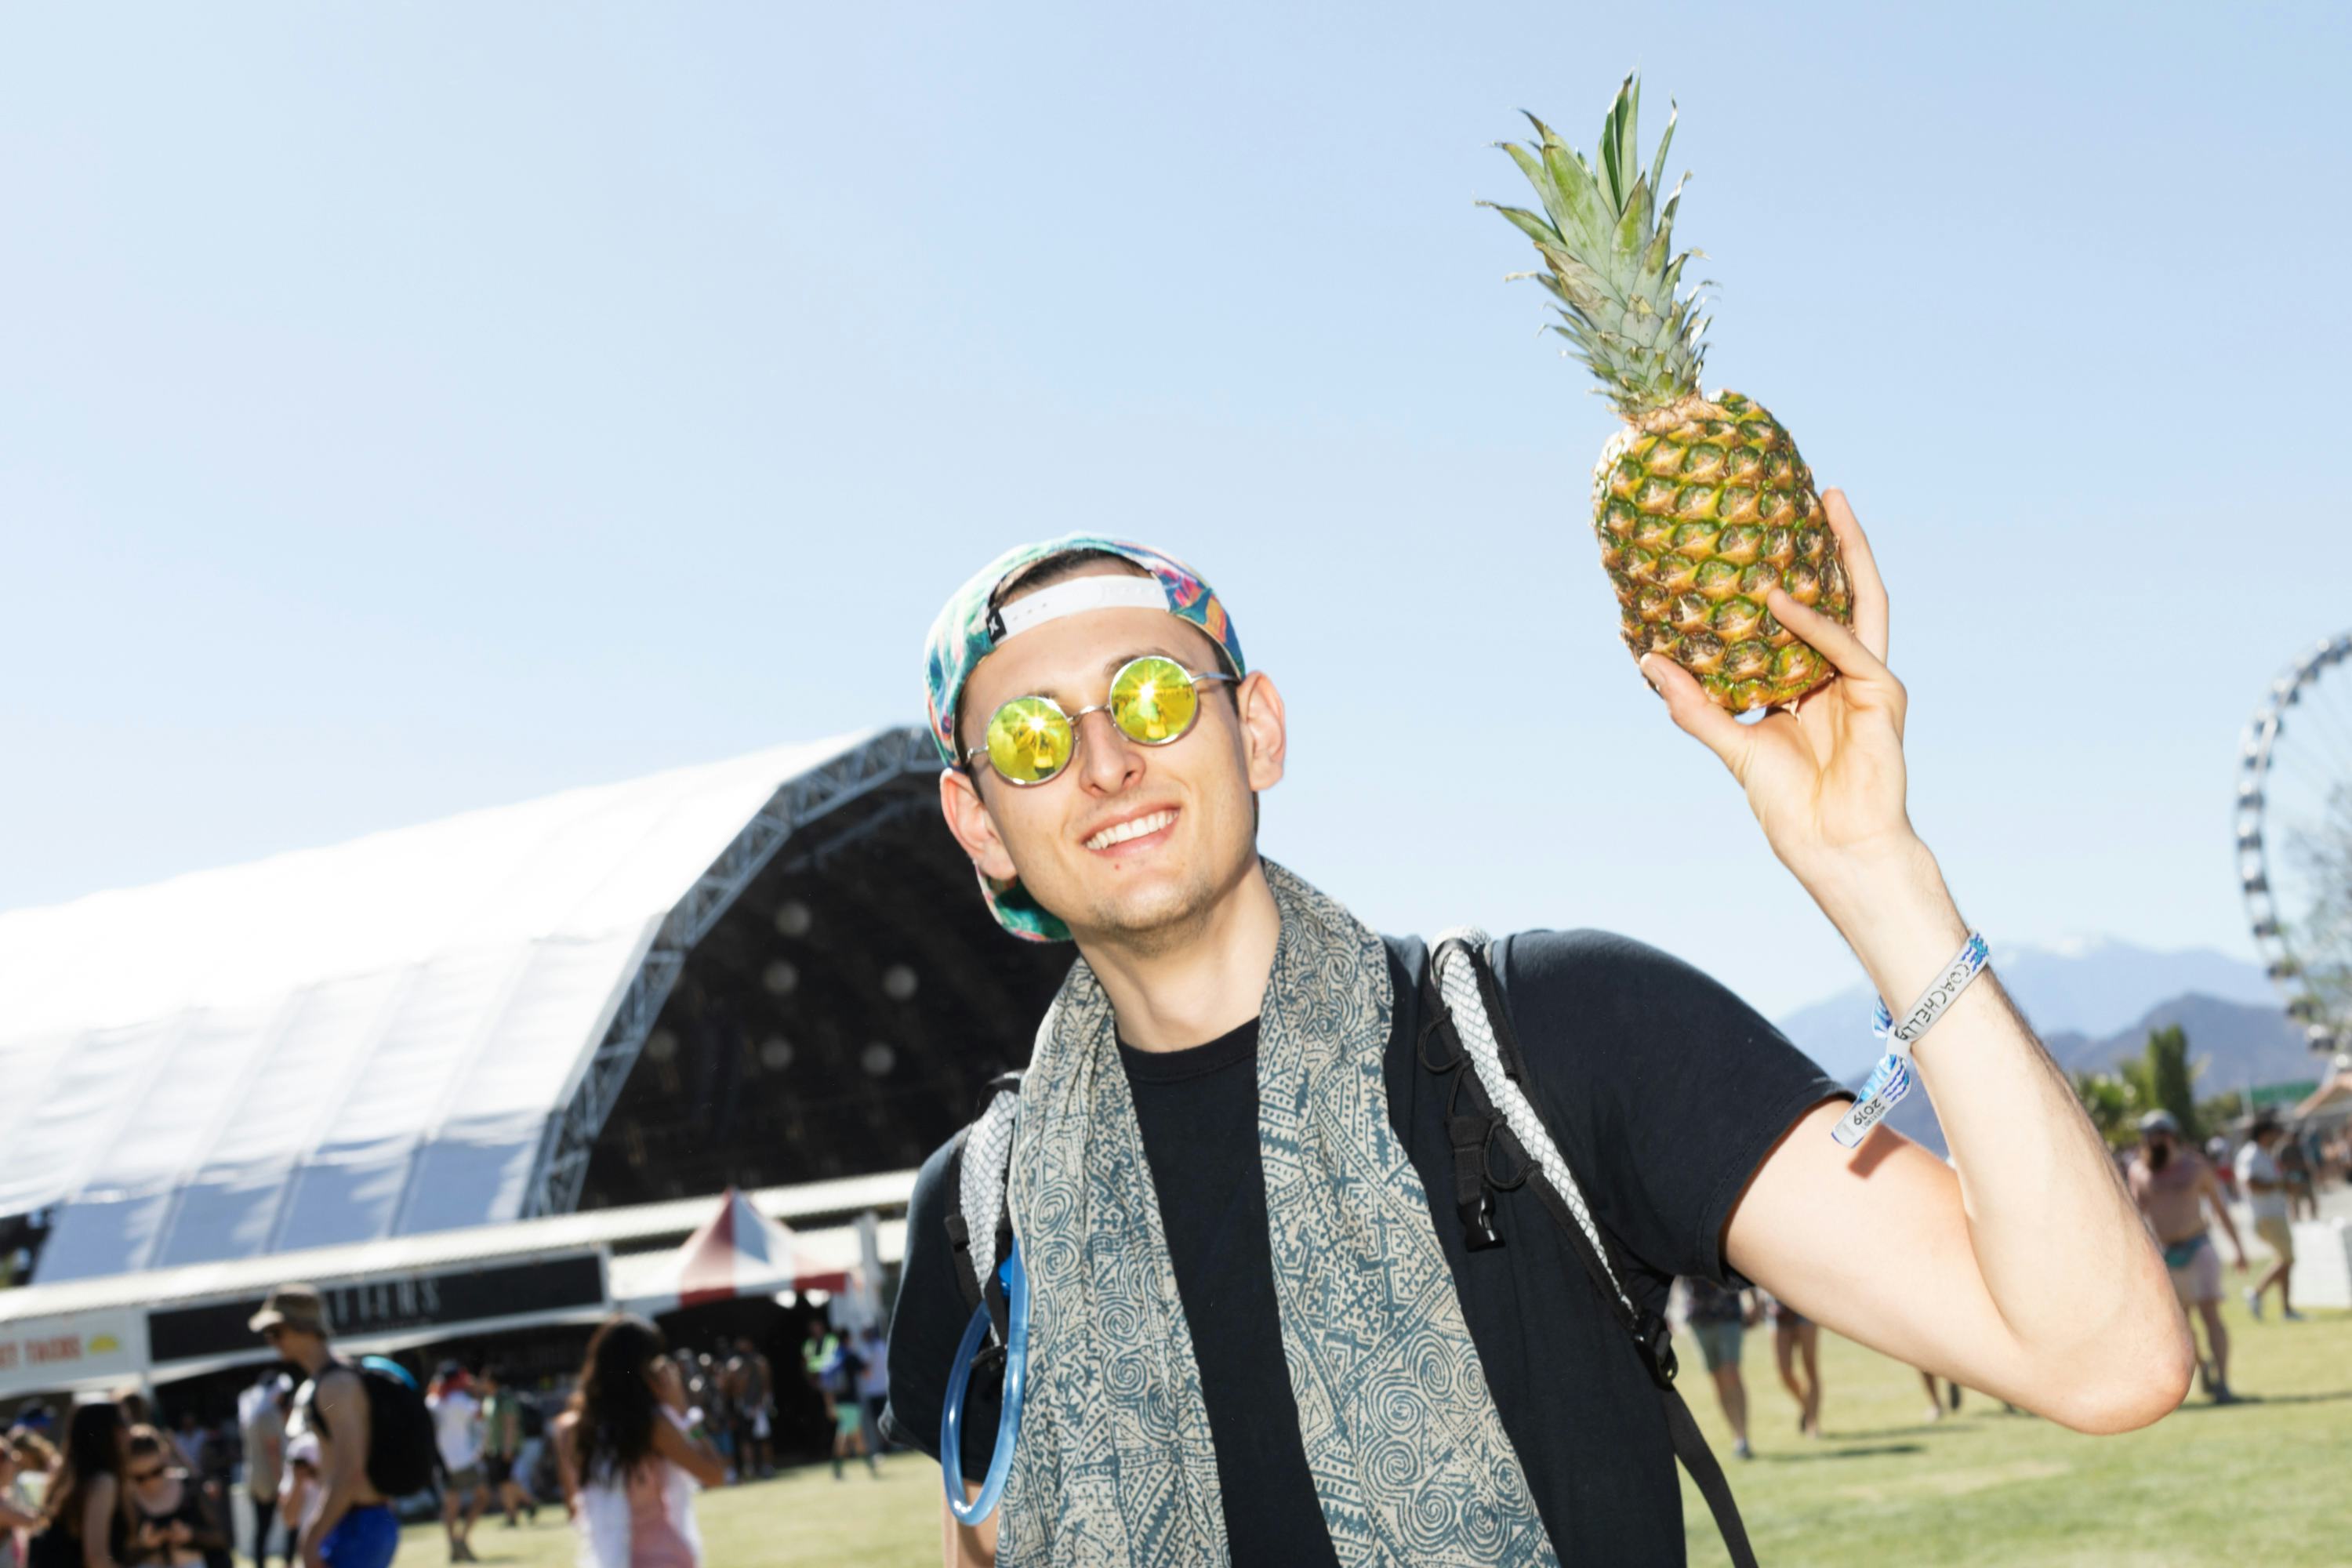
x,y
799,814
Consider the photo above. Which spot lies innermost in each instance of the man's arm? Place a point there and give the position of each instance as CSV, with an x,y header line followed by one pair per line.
x,y
567,1472
966,1545
2215,1199
2023,1268
338,1398
98,1505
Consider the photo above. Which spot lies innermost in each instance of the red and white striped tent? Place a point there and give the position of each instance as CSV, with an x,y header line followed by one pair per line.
x,y
738,1251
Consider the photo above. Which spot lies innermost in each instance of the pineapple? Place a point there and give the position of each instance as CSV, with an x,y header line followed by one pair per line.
x,y
1701,503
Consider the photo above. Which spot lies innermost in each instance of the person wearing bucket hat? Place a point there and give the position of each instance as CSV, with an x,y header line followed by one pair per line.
x,y
1269,1309
351,1524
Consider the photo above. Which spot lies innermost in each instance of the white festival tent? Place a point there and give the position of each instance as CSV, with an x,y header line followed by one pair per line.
x,y
418,1030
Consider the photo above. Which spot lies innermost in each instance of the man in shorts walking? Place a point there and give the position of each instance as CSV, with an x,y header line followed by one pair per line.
x,y
2174,1186
1718,1317
344,1523
2265,1186
1260,1329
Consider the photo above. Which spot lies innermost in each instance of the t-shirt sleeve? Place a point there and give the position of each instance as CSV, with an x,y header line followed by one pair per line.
x,y
1666,1091
927,1326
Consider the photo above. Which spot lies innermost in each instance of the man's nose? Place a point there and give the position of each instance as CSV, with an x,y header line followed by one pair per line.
x,y
1109,759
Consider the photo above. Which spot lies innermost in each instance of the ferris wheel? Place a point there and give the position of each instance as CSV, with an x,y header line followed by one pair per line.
x,y
2295,839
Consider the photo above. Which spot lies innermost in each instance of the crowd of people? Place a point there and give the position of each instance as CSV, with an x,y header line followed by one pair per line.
x,y
2184,1194
622,1446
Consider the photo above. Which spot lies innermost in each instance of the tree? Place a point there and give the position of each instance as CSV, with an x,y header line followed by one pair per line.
x,y
2161,1078
2216,1112
2111,1102
2169,1083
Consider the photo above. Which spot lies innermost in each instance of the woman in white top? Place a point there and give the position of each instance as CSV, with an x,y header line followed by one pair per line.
x,y
630,1458
457,1430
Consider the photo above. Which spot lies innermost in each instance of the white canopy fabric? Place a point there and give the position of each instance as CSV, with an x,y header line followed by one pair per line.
x,y
340,1044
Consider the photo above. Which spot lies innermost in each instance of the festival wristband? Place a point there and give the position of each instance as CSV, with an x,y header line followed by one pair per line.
x,y
1966,966
1890,1080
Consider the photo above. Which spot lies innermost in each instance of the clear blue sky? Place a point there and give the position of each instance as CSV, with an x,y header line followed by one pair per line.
x,y
404,409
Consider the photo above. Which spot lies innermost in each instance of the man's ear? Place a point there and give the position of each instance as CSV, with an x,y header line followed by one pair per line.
x,y
1265,735
975,830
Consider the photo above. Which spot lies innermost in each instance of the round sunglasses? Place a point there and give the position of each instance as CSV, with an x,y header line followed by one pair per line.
x,y
1154,700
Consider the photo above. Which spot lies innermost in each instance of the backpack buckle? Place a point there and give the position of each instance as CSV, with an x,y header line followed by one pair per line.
x,y
1478,1231
1655,1338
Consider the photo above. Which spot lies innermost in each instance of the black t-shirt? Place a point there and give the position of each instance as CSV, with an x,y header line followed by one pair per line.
x,y
1664,1092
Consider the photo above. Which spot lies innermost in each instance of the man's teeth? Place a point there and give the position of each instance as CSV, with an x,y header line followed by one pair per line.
x,y
1127,830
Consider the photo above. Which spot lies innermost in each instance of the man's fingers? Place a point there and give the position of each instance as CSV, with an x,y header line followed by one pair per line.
x,y
1693,713
1870,608
1827,637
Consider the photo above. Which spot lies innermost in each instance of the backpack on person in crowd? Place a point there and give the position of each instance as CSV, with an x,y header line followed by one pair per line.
x,y
534,1419
1466,1024
402,1456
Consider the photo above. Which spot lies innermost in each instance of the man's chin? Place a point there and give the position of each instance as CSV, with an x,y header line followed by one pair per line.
x,y
1152,917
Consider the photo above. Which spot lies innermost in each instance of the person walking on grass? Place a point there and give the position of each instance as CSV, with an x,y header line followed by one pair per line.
x,y
629,1455
1797,1351
261,1423
1258,1332
345,1522
502,1440
848,1424
1718,1317
2174,1186
754,1387
458,1431
2265,1185
1935,1406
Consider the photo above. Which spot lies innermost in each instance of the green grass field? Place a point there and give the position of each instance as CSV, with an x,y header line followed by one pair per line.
x,y
2263,1482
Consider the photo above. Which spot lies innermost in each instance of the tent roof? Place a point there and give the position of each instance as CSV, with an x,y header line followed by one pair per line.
x,y
369,1040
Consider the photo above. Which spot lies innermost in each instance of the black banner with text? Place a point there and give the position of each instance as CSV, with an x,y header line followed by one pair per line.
x,y
364,1309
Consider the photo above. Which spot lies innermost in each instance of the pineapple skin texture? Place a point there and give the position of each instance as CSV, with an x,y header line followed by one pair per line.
x,y
1701,507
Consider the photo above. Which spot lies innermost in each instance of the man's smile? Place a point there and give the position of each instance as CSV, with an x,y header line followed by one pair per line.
x,y
1133,829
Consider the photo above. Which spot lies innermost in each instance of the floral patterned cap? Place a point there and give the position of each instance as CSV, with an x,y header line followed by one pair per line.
x,y
969,629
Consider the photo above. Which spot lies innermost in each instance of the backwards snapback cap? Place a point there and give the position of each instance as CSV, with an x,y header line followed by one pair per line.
x,y
974,623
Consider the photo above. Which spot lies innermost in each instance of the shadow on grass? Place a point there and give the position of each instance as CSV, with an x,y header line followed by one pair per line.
x,y
2249,1400
1874,1451
1924,1429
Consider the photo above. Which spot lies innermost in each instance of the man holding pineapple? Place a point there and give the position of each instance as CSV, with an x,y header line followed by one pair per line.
x,y
1256,1334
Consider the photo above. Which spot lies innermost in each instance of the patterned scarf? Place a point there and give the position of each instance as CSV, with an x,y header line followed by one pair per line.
x,y
1114,1466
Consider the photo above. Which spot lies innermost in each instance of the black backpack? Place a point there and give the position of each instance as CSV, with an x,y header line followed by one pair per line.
x,y
402,1456
534,1419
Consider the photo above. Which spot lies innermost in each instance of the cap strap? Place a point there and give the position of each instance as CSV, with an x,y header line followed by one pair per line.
x,y
1074,596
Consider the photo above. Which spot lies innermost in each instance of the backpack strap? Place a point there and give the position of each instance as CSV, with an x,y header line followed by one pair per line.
x,y
1471,1028
979,1220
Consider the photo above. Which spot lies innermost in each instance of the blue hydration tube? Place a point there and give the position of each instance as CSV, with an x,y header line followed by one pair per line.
x,y
1008,1419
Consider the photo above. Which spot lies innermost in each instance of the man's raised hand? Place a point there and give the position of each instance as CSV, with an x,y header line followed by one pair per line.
x,y
1825,779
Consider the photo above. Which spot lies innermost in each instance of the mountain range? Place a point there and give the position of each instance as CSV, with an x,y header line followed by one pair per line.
x,y
2094,1002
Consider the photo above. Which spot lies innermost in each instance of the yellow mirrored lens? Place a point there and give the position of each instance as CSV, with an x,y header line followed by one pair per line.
x,y
1153,700
1028,740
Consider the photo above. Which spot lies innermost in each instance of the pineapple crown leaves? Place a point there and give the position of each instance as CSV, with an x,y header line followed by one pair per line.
x,y
1609,257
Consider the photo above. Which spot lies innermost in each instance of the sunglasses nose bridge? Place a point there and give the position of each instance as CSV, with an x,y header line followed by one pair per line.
x,y
1107,750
